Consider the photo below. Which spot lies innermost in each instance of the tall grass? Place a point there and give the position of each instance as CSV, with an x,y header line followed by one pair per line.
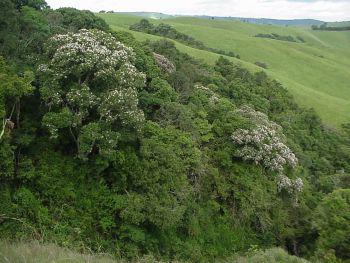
x,y
273,255
34,252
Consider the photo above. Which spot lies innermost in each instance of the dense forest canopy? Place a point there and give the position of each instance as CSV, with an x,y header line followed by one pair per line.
x,y
112,145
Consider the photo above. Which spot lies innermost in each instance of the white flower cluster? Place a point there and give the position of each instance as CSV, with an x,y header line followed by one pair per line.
x,y
213,97
164,63
89,72
285,183
121,104
129,76
81,97
264,144
93,55
86,51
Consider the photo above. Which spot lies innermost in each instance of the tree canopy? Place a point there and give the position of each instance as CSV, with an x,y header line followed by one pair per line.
x,y
111,145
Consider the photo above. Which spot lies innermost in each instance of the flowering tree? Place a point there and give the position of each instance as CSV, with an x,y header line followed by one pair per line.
x,y
90,86
164,63
264,144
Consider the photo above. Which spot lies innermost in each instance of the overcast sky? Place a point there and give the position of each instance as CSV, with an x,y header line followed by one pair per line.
x,y
326,10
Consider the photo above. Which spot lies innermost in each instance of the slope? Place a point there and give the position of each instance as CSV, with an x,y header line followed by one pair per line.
x,y
316,72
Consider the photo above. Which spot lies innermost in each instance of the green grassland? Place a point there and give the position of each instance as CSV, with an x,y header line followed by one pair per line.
x,y
316,72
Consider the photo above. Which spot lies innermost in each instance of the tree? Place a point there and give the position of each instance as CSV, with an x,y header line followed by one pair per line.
x,y
263,143
36,4
331,219
35,31
90,87
12,89
74,19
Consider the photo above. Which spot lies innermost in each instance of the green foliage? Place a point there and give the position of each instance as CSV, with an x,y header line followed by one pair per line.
x,y
261,64
12,89
36,4
325,27
9,27
113,154
100,77
72,19
331,219
278,37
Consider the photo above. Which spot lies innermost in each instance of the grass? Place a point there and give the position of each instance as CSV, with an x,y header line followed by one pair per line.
x,y
317,72
34,252
273,255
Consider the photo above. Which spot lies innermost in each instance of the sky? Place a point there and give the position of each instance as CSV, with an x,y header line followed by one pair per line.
x,y
325,10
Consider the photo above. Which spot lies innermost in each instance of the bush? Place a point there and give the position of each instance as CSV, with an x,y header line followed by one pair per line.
x,y
261,64
278,37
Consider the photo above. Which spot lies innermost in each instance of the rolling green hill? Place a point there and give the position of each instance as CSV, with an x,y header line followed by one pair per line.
x,y
316,72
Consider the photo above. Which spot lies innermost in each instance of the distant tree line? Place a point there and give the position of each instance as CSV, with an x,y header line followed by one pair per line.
x,y
168,31
106,12
279,37
330,28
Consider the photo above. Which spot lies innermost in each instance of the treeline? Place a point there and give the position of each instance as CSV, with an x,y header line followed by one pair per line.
x,y
282,38
135,149
324,27
168,31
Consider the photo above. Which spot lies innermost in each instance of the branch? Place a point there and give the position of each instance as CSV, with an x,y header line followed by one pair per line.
x,y
4,122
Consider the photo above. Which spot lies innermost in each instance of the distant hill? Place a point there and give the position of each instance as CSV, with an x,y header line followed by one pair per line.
x,y
261,21
268,21
152,15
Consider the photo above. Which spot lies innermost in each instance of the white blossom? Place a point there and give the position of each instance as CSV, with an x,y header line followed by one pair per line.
x,y
213,96
92,75
164,63
263,144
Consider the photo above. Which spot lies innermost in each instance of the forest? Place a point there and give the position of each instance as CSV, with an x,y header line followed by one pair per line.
x,y
134,149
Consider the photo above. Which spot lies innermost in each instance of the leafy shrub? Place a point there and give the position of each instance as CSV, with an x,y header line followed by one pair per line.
x,y
261,64
278,37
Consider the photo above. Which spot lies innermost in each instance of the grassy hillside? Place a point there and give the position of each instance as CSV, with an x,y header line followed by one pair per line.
x,y
38,253
316,72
